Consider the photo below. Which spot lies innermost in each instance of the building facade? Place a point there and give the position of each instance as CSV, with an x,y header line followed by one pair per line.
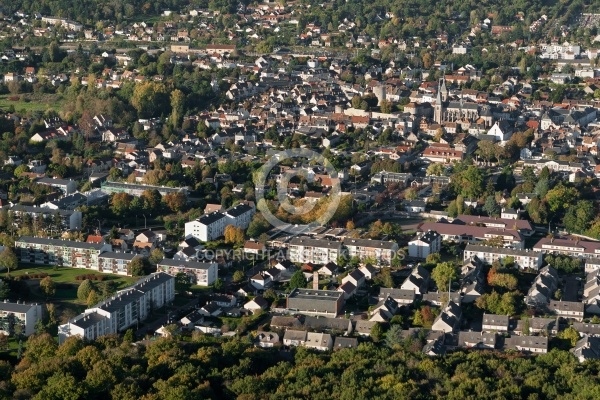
x,y
125,309
200,273
64,253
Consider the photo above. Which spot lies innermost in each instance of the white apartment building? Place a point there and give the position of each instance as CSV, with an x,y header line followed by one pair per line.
x,y
123,310
382,251
200,273
66,253
206,228
488,254
428,243
115,263
19,314
305,249
212,226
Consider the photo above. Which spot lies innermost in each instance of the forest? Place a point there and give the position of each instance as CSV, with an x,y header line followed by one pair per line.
x,y
203,367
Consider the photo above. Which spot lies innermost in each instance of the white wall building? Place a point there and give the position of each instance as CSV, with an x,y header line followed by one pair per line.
x,y
200,273
15,315
123,310
428,243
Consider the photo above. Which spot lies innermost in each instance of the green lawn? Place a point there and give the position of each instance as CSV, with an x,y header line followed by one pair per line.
x,y
67,275
32,102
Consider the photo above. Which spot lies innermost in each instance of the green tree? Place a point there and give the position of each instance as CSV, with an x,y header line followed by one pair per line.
x,y
84,289
435,169
137,267
182,282
561,197
238,276
579,216
443,273
177,107
218,285
156,256
150,99
393,336
376,332
129,336
61,386
48,287
93,299
297,280
571,335
8,260
491,207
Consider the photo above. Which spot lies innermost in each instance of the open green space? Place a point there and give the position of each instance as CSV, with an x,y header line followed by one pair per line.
x,y
68,275
32,102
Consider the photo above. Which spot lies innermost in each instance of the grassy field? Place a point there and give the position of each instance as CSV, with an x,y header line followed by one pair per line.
x,y
32,102
68,275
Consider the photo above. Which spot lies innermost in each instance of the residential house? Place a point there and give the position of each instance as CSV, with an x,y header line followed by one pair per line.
x,y
319,341
477,340
567,309
587,348
257,304
449,319
494,323
531,344
266,339
417,281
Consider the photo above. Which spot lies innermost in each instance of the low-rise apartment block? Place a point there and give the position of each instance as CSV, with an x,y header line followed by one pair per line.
x,y
15,317
524,259
123,310
65,253
200,273
381,251
308,250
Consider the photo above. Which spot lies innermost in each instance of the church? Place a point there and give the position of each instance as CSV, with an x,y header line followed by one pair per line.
x,y
459,111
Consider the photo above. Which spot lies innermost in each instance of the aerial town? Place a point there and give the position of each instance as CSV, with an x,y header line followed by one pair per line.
x,y
250,200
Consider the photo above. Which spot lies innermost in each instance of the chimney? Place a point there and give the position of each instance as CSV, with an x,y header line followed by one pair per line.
x,y
315,280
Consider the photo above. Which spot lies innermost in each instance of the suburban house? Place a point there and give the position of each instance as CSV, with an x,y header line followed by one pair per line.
x,y
449,319
532,344
477,340
417,281
494,323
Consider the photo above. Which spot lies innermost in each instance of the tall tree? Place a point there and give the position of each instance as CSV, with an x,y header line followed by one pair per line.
x,y
8,259
177,107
